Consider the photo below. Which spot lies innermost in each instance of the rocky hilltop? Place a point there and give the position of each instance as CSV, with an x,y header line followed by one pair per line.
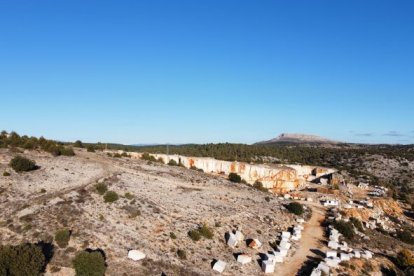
x,y
298,138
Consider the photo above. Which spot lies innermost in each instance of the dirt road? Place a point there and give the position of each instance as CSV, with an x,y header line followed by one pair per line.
x,y
312,237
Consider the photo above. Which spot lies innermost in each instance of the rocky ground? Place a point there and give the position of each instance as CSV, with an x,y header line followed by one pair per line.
x,y
165,200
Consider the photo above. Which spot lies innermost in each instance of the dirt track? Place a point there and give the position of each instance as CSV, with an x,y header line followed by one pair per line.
x,y
309,245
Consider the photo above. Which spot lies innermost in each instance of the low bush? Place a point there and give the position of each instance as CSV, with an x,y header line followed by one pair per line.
x,y
345,228
181,254
295,208
259,186
62,238
172,162
205,231
146,156
234,177
78,144
173,236
101,188
111,196
23,259
6,174
194,235
22,164
89,264
90,149
129,196
67,151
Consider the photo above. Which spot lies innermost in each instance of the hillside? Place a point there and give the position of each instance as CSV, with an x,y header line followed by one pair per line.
x,y
298,139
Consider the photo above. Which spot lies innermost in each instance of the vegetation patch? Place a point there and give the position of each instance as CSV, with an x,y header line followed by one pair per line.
x,y
172,162
23,259
111,196
405,236
89,264
62,238
234,177
22,164
201,231
345,228
101,188
259,186
182,254
295,208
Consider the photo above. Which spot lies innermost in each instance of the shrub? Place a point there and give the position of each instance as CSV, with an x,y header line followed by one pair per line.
x,y
172,162
78,144
173,236
62,238
205,231
23,259
234,177
295,208
259,186
345,228
67,151
22,164
146,156
101,188
181,254
90,149
89,264
405,236
405,258
111,196
6,174
194,235
357,223
129,196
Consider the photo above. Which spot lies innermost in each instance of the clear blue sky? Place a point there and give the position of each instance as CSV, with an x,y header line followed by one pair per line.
x,y
207,70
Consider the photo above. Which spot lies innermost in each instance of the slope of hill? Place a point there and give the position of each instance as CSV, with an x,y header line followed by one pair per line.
x,y
298,138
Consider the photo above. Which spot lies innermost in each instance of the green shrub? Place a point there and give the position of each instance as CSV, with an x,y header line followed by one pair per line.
x,y
22,164
194,235
89,264
146,156
405,258
295,208
67,151
129,196
6,174
21,260
172,162
90,149
345,228
111,196
101,188
173,236
259,186
234,177
205,231
62,238
181,254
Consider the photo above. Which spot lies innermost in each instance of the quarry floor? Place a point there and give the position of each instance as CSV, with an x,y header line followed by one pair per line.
x,y
62,194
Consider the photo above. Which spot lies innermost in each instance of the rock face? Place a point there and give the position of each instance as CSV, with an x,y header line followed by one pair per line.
x,y
278,178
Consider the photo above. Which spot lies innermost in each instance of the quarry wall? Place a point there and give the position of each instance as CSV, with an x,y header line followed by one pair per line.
x,y
278,178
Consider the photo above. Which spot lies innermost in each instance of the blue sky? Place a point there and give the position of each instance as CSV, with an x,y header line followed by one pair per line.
x,y
207,70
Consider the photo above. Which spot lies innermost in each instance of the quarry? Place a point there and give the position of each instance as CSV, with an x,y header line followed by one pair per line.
x,y
158,217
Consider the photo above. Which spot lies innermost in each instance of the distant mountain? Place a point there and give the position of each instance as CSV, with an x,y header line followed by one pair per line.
x,y
298,139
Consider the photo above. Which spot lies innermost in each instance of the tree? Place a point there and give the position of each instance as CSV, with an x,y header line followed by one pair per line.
x,y
345,228
89,264
23,259
22,164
